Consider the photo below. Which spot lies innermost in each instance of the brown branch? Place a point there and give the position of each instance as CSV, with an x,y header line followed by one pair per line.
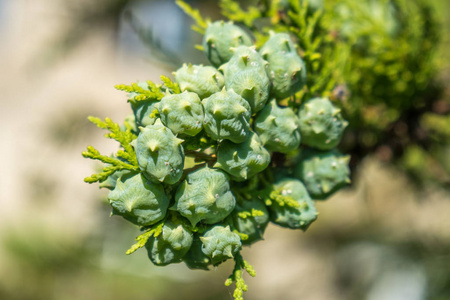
x,y
199,156
190,170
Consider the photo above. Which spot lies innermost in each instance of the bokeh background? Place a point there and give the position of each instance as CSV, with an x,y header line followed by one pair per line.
x,y
384,237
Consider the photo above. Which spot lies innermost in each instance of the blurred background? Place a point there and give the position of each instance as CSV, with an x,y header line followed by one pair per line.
x,y
385,237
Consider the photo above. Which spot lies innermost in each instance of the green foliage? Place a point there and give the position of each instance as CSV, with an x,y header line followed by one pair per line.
x,y
153,92
149,91
123,159
232,10
252,213
373,58
236,276
171,86
392,77
428,164
201,23
142,239
437,125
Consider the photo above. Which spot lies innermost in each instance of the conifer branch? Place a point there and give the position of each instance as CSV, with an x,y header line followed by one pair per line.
x,y
236,276
199,156
201,23
124,159
142,239
241,235
173,87
139,93
252,213
233,11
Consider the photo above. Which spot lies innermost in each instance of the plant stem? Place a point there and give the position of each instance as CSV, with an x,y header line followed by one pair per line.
x,y
199,156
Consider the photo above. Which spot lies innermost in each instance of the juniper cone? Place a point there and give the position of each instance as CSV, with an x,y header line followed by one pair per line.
x,y
321,123
298,216
227,116
220,244
278,128
278,42
205,196
202,80
159,153
245,74
242,161
219,39
323,172
182,113
138,200
171,245
251,217
195,258
286,69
